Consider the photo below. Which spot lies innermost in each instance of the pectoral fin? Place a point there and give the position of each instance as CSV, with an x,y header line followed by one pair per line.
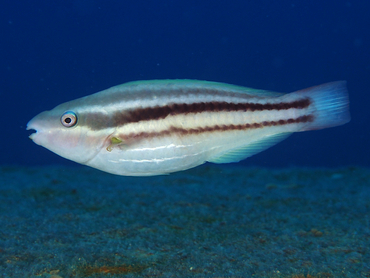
x,y
114,142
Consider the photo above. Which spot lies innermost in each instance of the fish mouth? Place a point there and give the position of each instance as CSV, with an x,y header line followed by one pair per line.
x,y
37,124
33,134
31,126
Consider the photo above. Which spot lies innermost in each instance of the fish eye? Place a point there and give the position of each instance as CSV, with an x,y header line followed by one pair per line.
x,y
68,119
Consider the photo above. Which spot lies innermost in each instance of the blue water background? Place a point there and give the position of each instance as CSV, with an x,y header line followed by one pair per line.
x,y
55,51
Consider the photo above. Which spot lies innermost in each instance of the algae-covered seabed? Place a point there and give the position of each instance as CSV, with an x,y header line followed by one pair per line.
x,y
212,221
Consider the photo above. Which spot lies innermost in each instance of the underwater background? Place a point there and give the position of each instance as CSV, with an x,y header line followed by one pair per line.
x,y
298,209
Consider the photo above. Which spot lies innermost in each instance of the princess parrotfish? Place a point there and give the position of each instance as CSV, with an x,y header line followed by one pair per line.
x,y
157,127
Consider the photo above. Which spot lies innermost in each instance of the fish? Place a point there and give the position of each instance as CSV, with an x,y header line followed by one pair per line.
x,y
157,127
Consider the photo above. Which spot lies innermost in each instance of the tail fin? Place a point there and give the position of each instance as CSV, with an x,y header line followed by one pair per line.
x,y
330,105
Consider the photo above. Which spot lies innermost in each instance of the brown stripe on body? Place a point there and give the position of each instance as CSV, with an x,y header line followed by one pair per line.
x,y
100,120
136,137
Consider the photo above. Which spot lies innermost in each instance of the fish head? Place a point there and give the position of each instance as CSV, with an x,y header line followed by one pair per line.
x,y
65,130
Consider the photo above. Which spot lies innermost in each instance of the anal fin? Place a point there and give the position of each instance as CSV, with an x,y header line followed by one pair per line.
x,y
240,153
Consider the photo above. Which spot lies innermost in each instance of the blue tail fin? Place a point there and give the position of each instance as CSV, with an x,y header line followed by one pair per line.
x,y
330,105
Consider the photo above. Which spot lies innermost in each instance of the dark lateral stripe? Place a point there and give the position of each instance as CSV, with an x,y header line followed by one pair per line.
x,y
100,120
135,137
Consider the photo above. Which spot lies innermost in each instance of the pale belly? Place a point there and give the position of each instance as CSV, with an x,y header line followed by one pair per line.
x,y
157,156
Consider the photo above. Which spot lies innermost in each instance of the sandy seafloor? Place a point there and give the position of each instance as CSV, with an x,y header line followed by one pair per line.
x,y
212,221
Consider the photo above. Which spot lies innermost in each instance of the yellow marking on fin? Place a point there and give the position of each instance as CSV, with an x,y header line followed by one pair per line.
x,y
114,141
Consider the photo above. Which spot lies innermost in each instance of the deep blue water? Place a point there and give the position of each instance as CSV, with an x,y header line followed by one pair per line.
x,y
55,51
